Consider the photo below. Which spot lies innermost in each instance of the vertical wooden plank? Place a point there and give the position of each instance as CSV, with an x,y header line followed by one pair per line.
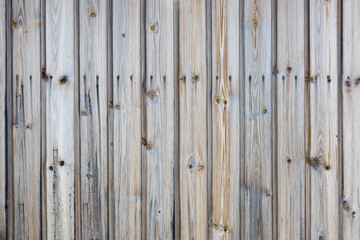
x,y
127,118
3,121
290,89
60,119
159,126
93,118
257,218
322,159
225,99
350,91
193,123
26,126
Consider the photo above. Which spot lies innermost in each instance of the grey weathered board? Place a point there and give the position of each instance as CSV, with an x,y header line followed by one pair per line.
x,y
190,119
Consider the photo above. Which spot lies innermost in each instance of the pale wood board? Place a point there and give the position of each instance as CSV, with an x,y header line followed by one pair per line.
x,y
322,159
350,80
225,101
257,216
127,119
26,118
60,119
3,103
290,105
159,122
93,119
193,161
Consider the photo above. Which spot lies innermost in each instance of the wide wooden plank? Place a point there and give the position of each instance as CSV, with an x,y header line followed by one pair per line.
x,y
60,119
225,99
3,136
290,131
322,159
257,218
93,118
26,118
193,163
351,119
127,119
159,123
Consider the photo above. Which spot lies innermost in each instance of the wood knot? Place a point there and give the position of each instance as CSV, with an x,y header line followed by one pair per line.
x,y
268,194
145,143
83,113
195,78
289,69
15,24
29,126
265,110
200,167
51,168
357,81
346,205
62,163
314,162
329,78
89,175
63,80
348,83
44,75
309,78
327,167
92,14
289,160
217,100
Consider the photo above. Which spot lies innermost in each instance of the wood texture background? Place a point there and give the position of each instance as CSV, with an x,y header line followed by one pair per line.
x,y
179,119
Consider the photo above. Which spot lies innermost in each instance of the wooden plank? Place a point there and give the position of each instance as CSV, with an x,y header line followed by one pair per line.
x,y
257,218
193,123
225,218
26,118
127,119
159,123
3,136
60,119
350,116
290,105
323,177
93,118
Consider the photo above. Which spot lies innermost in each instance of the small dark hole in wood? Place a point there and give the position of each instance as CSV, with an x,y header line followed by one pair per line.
x,y
62,163
353,213
327,167
289,160
190,166
51,168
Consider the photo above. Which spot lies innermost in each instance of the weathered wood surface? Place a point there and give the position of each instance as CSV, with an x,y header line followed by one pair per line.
x,y
158,138
93,118
224,220
127,120
258,179
3,119
206,119
350,80
60,119
322,158
26,118
290,121
193,80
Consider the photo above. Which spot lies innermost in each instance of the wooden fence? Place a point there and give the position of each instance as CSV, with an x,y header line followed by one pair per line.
x,y
180,119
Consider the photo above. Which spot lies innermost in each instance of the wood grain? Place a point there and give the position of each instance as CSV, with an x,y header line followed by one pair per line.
x,y
127,119
323,177
3,102
193,162
290,105
26,118
350,91
60,119
159,123
257,218
225,99
93,118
